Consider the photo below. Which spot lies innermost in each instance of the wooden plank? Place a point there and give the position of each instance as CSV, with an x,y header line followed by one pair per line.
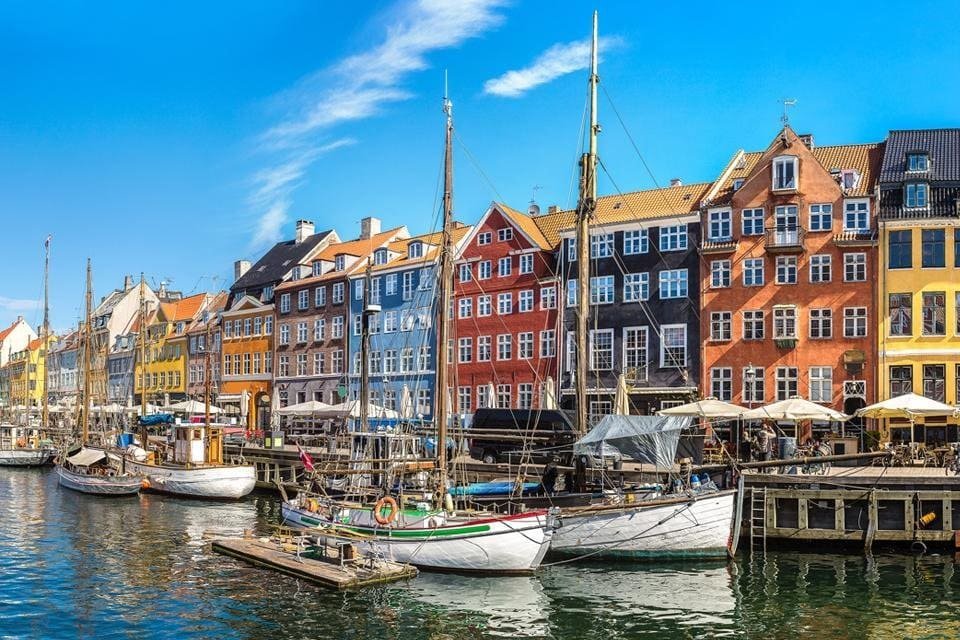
x,y
328,574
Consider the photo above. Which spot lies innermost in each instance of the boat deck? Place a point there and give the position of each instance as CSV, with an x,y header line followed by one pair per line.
x,y
319,565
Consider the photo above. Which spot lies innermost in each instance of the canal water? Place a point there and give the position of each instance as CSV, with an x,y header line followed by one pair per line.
x,y
74,566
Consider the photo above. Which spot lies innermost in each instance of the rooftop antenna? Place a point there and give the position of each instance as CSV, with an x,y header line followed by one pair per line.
x,y
534,208
787,102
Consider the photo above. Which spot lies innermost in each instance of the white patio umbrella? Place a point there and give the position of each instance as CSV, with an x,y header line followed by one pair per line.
x,y
491,396
621,400
351,408
192,406
406,403
708,409
909,405
308,408
794,409
549,395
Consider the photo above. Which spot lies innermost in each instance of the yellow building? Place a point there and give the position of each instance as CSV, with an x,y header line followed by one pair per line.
x,y
27,374
163,374
919,285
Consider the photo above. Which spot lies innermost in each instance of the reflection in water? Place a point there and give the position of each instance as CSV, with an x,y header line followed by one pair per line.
x,y
73,565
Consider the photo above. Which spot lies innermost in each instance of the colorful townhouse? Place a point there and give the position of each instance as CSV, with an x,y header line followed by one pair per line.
x,y
918,325
63,372
313,319
27,373
13,339
789,273
506,314
162,376
203,344
644,319
247,323
121,360
403,284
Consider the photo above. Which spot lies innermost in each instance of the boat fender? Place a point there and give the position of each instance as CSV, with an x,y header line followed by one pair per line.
x,y
144,484
927,518
313,506
386,501
918,547
432,523
21,442
448,502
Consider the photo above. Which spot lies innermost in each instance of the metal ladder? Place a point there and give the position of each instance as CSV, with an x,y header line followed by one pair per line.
x,y
758,520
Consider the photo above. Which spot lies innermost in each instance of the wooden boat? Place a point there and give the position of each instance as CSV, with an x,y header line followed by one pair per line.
x,y
93,471
22,447
433,539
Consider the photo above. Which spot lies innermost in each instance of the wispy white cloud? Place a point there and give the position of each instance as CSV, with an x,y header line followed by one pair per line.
x,y
18,304
559,60
355,88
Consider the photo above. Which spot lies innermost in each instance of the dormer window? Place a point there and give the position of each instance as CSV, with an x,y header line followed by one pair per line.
x,y
484,238
380,256
339,262
784,173
296,273
505,234
267,293
915,195
317,267
415,250
849,179
917,162
737,184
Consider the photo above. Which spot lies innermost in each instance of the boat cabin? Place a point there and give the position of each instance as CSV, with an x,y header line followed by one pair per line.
x,y
197,444
18,437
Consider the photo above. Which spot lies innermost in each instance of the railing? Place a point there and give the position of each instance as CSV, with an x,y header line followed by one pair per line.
x,y
785,238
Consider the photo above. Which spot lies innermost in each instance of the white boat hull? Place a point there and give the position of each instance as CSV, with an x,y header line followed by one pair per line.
x,y
497,545
220,482
699,527
99,485
25,457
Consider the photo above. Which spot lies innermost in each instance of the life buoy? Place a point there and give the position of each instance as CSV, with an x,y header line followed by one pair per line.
x,y
21,442
378,508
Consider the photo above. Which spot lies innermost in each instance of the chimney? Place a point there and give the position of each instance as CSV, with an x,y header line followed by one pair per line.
x,y
676,182
553,208
127,283
304,230
369,227
807,139
240,267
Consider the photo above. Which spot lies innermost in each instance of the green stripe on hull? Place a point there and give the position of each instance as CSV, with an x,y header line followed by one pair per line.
x,y
403,533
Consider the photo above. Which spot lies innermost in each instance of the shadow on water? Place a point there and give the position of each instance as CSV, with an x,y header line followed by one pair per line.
x,y
75,566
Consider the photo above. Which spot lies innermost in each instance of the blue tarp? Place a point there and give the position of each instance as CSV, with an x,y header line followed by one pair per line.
x,y
154,419
491,488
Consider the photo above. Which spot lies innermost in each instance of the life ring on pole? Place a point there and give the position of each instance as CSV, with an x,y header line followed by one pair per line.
x,y
381,504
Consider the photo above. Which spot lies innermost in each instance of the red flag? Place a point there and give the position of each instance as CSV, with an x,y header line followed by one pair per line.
x,y
305,459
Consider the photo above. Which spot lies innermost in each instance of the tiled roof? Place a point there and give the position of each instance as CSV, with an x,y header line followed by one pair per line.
x,y
8,330
275,263
865,158
527,224
360,247
432,242
183,309
649,204
217,304
741,165
33,345
942,145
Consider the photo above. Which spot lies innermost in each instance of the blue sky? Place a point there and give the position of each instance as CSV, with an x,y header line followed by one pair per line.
x,y
174,138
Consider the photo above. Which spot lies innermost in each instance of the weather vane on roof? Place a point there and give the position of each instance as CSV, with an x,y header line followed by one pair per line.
x,y
787,102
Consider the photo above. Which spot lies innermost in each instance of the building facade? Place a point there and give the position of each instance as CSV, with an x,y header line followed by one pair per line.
x,y
788,275
644,305
162,376
918,328
313,319
506,314
203,351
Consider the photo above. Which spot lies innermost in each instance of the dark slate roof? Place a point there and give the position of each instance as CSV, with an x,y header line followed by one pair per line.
x,y
275,263
942,145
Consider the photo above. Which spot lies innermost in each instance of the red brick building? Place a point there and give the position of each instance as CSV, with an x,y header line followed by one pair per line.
x,y
788,275
506,313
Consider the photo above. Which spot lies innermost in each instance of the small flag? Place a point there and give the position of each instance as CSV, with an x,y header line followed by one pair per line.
x,y
305,459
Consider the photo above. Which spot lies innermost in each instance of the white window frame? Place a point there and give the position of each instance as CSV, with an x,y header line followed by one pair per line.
x,y
504,234
664,330
485,237
754,215
675,283
858,261
752,321
720,274
526,263
865,211
820,380
673,238
821,211
721,326
643,338
820,317
720,225
721,383
636,242
601,245
819,263
636,287
593,353
782,316
750,266
777,184
855,322
785,266
605,285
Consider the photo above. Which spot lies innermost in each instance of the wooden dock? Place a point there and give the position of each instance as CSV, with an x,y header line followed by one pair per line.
x,y
323,565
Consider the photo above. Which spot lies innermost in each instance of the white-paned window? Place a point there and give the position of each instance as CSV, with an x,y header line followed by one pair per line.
x,y
635,351
673,346
320,297
856,215
358,289
636,287
483,270
284,333
753,324
719,274
855,267
548,343
484,306
721,383
721,326
821,384
408,285
602,290
525,300
601,245
673,283
548,297
821,323
525,395
784,173
915,196
504,303
337,293
635,242
504,346
917,162
505,234
284,303
465,350
415,250
484,347
465,272
390,322
821,268
786,270
484,238
464,395
465,307
673,238
391,286
303,299
571,249
786,378
319,328
784,322
600,345
526,263
571,293
753,272
721,226
821,217
503,396
336,330
504,266
525,345
855,322
752,222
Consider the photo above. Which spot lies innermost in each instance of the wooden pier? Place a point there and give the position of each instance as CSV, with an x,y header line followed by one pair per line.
x,y
910,506
334,567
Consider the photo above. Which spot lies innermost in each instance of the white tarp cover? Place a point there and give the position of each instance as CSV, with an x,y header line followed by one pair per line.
x,y
86,457
650,439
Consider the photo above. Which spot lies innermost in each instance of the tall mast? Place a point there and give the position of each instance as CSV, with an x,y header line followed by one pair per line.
x,y
443,302
85,414
142,338
206,369
365,350
45,335
586,209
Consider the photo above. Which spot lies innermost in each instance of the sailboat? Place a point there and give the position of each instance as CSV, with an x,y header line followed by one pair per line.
x,y
684,523
429,534
23,445
91,470
191,465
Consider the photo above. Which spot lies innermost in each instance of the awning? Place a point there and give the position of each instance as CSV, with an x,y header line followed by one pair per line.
x,y
86,457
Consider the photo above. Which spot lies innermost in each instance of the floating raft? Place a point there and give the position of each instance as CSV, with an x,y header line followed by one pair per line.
x,y
318,564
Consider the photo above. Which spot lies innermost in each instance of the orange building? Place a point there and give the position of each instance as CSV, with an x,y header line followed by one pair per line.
x,y
788,275
247,347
